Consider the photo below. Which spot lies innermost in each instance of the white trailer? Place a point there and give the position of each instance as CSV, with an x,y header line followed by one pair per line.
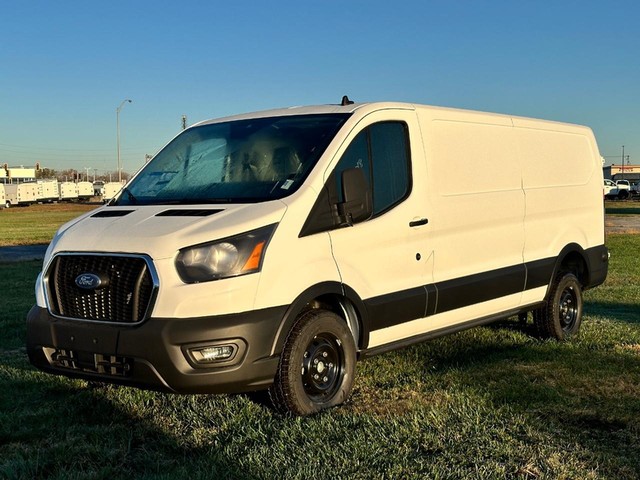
x,y
85,190
3,199
68,191
110,190
48,191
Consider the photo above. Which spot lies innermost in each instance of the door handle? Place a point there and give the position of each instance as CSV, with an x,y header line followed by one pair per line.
x,y
417,223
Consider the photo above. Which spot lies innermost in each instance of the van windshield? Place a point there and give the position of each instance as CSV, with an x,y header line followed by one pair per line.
x,y
242,161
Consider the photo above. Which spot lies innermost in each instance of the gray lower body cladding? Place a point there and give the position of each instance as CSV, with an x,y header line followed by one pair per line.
x,y
155,354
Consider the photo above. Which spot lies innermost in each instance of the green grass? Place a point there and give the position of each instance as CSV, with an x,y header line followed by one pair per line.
x,y
490,402
36,224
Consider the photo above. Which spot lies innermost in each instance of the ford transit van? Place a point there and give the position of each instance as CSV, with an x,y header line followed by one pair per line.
x,y
273,250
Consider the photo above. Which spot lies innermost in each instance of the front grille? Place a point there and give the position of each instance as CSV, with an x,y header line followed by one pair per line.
x,y
124,295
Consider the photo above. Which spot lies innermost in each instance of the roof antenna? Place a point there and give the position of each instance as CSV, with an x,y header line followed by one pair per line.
x,y
346,101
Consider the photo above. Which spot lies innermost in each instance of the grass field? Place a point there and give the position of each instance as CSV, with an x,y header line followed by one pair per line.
x,y
36,224
492,402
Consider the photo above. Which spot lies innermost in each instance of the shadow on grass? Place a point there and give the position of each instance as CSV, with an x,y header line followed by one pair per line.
x,y
621,312
52,427
580,394
630,210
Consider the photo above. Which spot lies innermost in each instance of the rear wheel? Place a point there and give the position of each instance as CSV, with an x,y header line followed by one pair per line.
x,y
562,316
317,365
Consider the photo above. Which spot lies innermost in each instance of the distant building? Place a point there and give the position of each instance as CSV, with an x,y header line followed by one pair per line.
x,y
17,174
622,172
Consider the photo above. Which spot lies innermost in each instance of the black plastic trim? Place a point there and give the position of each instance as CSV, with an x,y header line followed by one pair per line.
x,y
111,213
188,212
155,349
598,265
395,308
301,303
478,288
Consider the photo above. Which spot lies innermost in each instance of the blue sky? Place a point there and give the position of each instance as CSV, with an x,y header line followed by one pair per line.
x,y
65,66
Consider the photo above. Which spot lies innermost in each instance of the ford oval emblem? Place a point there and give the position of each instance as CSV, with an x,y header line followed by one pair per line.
x,y
88,281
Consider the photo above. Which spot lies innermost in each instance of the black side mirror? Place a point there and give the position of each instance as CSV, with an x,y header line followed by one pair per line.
x,y
357,205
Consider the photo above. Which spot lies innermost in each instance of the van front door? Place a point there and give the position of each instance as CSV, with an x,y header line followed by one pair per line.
x,y
386,259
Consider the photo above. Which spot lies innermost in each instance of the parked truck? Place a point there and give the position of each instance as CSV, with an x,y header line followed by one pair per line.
x,y
20,194
621,191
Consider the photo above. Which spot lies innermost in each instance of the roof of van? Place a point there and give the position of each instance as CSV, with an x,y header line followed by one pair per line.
x,y
279,112
365,108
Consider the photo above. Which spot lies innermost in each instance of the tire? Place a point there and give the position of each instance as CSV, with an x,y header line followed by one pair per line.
x,y
317,365
561,317
623,194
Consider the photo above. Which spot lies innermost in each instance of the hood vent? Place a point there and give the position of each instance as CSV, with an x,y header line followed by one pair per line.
x,y
111,213
176,212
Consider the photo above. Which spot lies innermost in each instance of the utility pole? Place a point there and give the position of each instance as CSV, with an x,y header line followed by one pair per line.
x,y
118,135
622,164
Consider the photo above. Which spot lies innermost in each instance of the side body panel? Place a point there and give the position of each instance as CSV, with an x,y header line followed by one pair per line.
x,y
562,179
472,186
508,198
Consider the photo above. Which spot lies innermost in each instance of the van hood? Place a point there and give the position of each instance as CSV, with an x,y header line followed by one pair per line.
x,y
159,230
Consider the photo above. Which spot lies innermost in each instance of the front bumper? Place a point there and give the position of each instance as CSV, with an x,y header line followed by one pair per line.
x,y
154,354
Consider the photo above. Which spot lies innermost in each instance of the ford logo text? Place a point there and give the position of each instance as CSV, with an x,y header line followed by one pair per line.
x,y
88,281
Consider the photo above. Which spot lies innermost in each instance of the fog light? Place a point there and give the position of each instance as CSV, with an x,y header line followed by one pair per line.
x,y
212,354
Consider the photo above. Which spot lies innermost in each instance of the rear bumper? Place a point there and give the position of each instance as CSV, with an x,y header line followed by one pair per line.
x,y
155,354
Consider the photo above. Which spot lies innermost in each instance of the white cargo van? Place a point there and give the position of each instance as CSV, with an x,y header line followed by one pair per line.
x,y
20,194
274,249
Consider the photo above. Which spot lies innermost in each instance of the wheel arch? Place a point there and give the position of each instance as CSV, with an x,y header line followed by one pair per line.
x,y
335,297
573,259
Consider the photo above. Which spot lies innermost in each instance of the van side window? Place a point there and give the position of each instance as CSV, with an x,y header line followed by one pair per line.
x,y
383,151
356,156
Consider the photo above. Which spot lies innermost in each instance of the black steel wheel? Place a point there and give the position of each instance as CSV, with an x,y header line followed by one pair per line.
x,y
317,365
562,316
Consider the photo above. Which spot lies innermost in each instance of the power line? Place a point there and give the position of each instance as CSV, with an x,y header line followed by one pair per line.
x,y
55,149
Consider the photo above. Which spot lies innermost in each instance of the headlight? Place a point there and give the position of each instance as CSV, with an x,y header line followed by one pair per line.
x,y
229,257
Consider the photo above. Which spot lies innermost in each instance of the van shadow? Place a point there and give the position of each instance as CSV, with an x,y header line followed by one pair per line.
x,y
54,427
622,312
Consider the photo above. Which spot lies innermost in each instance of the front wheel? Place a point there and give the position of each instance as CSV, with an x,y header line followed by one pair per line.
x,y
562,316
317,365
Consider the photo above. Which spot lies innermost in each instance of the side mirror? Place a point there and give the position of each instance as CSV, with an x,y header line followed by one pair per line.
x,y
357,205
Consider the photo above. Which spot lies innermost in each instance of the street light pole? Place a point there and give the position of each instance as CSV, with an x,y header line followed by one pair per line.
x,y
126,100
